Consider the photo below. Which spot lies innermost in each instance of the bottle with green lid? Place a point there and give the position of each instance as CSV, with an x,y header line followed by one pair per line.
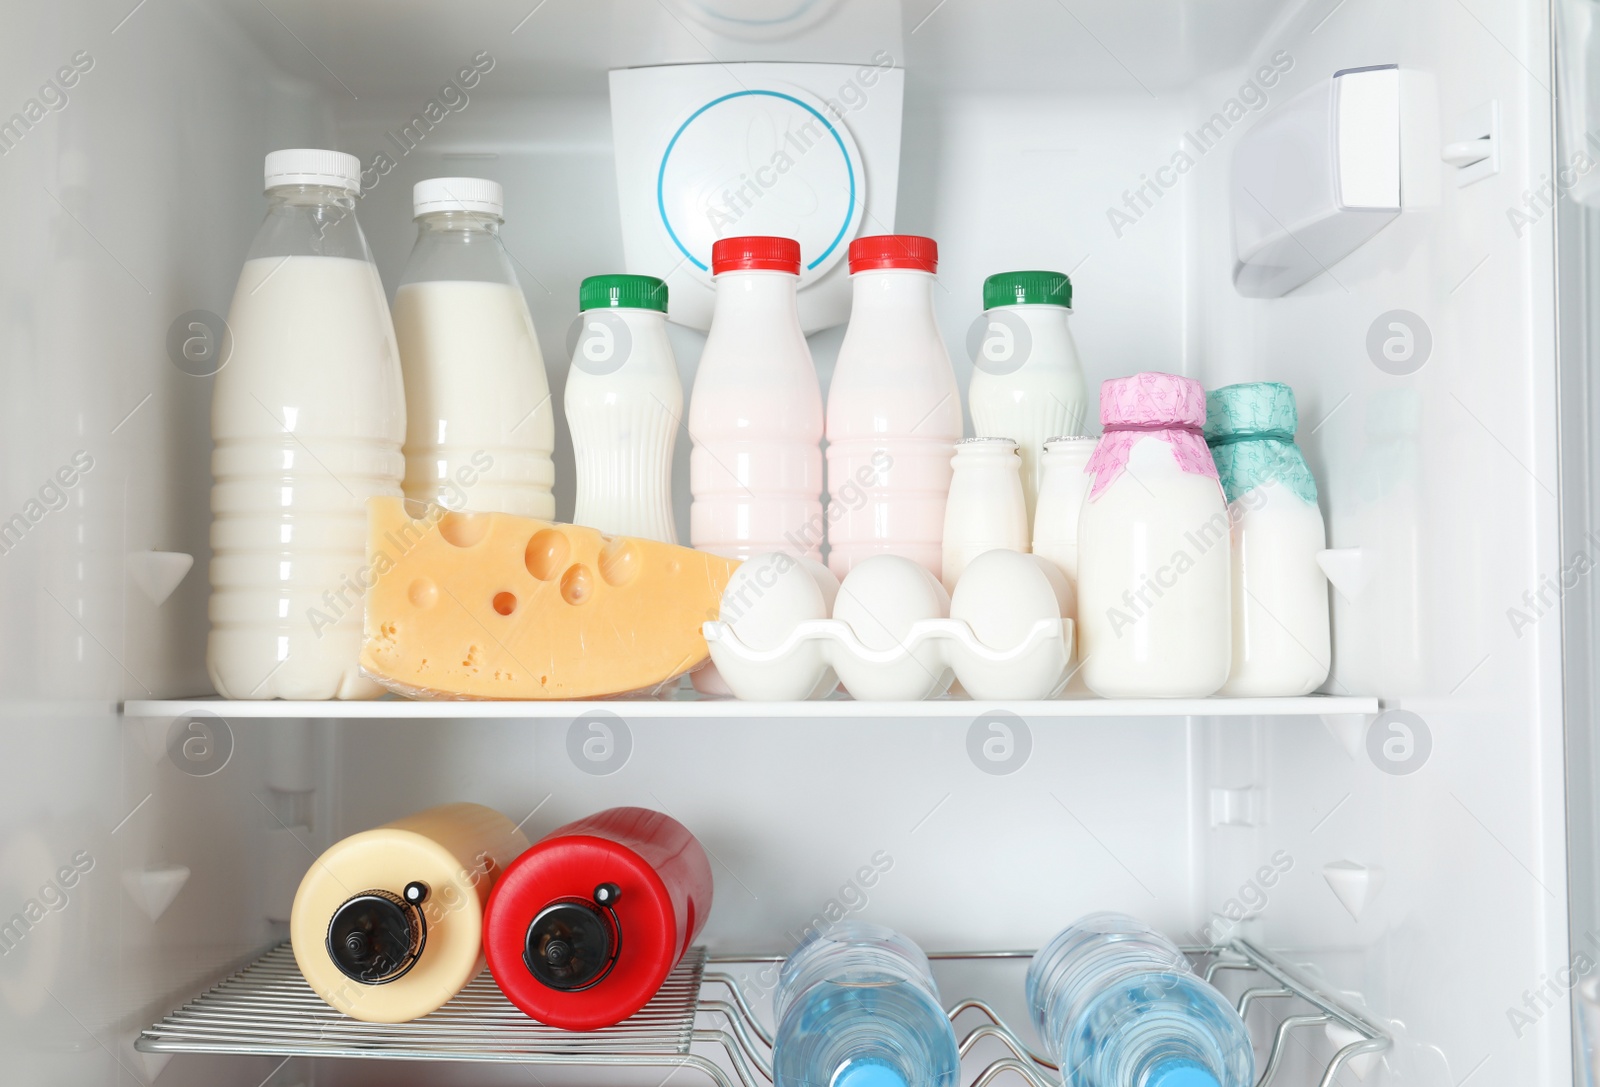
x,y
1280,595
624,404
1027,384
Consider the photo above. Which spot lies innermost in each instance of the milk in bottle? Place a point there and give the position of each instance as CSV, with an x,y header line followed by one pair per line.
x,y
480,427
894,412
624,405
307,419
1153,557
1280,595
1027,384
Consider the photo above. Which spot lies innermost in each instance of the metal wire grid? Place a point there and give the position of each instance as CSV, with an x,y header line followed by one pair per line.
x,y
268,1009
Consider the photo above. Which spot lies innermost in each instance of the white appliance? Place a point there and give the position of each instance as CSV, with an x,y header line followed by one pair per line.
x,y
1432,870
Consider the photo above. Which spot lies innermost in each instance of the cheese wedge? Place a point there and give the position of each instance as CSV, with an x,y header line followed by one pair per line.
x,y
487,605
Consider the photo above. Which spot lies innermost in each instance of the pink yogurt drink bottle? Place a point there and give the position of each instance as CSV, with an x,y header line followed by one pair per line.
x,y
755,412
894,411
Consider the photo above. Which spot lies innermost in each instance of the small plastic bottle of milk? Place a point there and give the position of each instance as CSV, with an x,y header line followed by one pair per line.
x,y
1153,555
1027,384
894,410
480,427
307,418
1280,595
624,405
755,412
1063,485
985,511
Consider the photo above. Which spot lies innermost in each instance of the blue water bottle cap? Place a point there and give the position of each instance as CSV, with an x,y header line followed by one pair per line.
x,y
1180,1074
875,1073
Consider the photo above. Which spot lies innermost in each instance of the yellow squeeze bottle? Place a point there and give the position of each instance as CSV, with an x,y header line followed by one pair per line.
x,y
388,924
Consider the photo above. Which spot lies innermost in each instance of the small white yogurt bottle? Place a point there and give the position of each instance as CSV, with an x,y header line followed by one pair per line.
x,y
985,511
1280,595
1063,487
1153,554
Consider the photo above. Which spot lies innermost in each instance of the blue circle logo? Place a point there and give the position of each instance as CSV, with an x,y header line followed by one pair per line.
x,y
831,131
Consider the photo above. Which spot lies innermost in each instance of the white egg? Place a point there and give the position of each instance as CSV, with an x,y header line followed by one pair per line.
x,y
769,595
884,595
1002,594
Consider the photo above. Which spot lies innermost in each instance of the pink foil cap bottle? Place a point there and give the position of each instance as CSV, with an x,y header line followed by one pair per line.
x,y
1154,568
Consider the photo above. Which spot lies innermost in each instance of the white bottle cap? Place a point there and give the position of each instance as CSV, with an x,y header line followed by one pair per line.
x,y
458,194
310,166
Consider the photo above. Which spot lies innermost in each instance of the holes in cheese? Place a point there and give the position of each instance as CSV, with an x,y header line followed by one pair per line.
x,y
546,555
473,605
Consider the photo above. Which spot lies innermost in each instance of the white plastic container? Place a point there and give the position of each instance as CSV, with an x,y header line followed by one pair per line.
x,y
307,419
624,405
1027,384
480,427
1063,486
894,411
985,511
755,413
1280,595
1153,556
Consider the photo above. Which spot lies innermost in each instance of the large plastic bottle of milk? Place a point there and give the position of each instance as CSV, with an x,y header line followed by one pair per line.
x,y
1027,384
624,405
894,411
307,419
1153,565
755,412
480,427
1280,595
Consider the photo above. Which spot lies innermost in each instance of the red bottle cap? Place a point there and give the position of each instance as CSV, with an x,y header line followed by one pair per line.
x,y
755,254
894,251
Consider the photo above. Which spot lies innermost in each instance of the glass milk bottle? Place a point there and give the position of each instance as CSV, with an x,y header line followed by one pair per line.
x,y
755,412
307,418
894,411
1153,565
1027,384
624,404
1063,485
1280,595
479,427
985,511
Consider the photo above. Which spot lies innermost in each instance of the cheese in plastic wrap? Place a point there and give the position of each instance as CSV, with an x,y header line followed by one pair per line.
x,y
492,606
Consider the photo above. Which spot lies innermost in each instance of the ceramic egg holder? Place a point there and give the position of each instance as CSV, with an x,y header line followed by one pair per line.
x,y
788,631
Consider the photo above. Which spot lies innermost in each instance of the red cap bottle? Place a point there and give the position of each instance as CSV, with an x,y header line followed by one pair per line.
x,y
584,927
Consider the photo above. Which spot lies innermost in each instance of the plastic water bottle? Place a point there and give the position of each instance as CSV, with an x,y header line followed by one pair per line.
x,y
1117,1005
857,1007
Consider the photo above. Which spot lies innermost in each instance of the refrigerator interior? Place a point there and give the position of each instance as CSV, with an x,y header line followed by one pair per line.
x,y
1027,125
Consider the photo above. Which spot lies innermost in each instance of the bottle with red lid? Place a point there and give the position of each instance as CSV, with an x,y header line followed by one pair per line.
x,y
585,926
755,412
894,411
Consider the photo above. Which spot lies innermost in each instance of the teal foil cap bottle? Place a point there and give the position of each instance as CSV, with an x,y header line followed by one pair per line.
x,y
1250,429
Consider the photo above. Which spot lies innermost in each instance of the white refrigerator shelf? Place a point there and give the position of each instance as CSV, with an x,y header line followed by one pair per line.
x,y
704,1019
682,707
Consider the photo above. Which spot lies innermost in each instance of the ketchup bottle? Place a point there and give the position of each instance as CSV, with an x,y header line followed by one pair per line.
x,y
583,928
